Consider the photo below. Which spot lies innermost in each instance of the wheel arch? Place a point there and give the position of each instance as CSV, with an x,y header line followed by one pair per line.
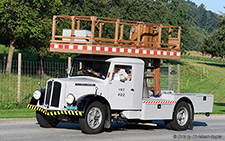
x,y
84,101
187,100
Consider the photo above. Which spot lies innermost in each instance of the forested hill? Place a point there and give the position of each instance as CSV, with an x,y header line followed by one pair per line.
x,y
195,20
204,19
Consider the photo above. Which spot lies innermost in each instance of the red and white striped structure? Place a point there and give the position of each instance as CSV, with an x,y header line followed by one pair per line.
x,y
115,51
159,102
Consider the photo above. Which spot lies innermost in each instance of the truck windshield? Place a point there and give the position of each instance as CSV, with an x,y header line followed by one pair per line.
x,y
97,69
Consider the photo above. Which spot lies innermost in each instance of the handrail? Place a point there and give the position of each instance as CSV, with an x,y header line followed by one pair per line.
x,y
142,34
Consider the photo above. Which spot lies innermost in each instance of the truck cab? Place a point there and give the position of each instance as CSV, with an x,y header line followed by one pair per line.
x,y
94,97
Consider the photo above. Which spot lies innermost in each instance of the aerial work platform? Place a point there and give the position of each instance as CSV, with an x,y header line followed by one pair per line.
x,y
114,37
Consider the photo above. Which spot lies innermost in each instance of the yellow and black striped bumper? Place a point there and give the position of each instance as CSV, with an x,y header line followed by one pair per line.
x,y
55,113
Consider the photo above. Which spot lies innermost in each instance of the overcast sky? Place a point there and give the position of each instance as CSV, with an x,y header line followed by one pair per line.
x,y
212,5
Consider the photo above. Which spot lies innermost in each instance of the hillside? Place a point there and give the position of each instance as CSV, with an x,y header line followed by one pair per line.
x,y
194,80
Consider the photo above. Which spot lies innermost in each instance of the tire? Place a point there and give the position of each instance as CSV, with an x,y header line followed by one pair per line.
x,y
94,119
181,117
46,121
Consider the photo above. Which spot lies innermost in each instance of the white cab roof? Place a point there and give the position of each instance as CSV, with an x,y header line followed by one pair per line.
x,y
126,60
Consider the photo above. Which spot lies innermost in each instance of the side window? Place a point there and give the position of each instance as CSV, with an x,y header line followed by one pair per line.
x,y
122,73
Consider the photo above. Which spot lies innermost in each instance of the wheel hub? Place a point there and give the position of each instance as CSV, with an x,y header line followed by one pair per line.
x,y
94,117
182,116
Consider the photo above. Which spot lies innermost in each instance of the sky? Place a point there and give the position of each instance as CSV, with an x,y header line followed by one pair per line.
x,y
212,5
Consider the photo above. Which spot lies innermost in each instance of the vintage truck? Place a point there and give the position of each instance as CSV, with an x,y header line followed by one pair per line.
x,y
111,83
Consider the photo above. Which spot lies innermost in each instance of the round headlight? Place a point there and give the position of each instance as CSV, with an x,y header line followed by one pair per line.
x,y
70,99
37,94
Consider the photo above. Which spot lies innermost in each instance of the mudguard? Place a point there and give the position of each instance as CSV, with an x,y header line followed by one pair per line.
x,y
84,101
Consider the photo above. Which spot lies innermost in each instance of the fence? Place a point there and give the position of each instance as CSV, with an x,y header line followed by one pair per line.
x,y
19,89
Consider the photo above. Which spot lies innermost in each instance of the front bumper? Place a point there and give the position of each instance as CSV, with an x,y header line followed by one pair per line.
x,y
56,112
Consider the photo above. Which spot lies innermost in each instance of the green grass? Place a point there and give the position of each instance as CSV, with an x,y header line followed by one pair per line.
x,y
218,108
8,89
17,113
192,82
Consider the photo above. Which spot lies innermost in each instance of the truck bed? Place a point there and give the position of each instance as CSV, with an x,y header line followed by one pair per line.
x,y
161,108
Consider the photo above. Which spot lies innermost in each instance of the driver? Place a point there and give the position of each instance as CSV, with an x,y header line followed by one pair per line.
x,y
97,71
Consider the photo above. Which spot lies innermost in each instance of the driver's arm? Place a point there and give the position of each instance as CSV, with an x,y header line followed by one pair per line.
x,y
93,72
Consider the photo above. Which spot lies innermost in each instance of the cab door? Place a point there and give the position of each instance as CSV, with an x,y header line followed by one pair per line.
x,y
121,90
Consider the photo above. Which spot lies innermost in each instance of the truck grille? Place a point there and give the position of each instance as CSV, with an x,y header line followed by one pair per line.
x,y
53,96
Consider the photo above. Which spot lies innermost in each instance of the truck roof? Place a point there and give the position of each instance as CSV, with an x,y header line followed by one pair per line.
x,y
102,58
130,39
126,60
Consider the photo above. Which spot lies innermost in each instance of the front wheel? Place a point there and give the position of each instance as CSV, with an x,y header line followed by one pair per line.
x,y
94,119
46,121
181,118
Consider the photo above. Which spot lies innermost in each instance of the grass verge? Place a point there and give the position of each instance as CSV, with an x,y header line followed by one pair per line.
x,y
17,113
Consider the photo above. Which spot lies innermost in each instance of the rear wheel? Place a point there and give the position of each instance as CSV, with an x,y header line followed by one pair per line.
x,y
181,118
46,121
94,119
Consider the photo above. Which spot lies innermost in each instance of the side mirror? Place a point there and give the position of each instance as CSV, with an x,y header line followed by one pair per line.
x,y
39,83
122,75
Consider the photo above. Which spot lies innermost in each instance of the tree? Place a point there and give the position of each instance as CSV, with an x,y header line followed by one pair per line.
x,y
26,24
214,44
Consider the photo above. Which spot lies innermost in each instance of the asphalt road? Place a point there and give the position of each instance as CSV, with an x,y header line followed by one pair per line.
x,y
205,128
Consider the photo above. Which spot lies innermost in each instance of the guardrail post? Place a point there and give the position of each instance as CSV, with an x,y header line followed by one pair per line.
x,y
19,76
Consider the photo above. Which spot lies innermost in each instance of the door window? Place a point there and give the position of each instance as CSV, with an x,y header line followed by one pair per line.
x,y
122,73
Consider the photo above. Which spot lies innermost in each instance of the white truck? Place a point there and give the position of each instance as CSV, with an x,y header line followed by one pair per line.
x,y
101,89
94,100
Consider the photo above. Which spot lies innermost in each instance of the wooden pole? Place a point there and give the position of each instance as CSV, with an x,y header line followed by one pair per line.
x,y
169,77
53,27
121,32
160,35
73,28
93,19
139,34
78,24
179,37
170,32
19,76
178,78
156,65
100,31
69,63
116,31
